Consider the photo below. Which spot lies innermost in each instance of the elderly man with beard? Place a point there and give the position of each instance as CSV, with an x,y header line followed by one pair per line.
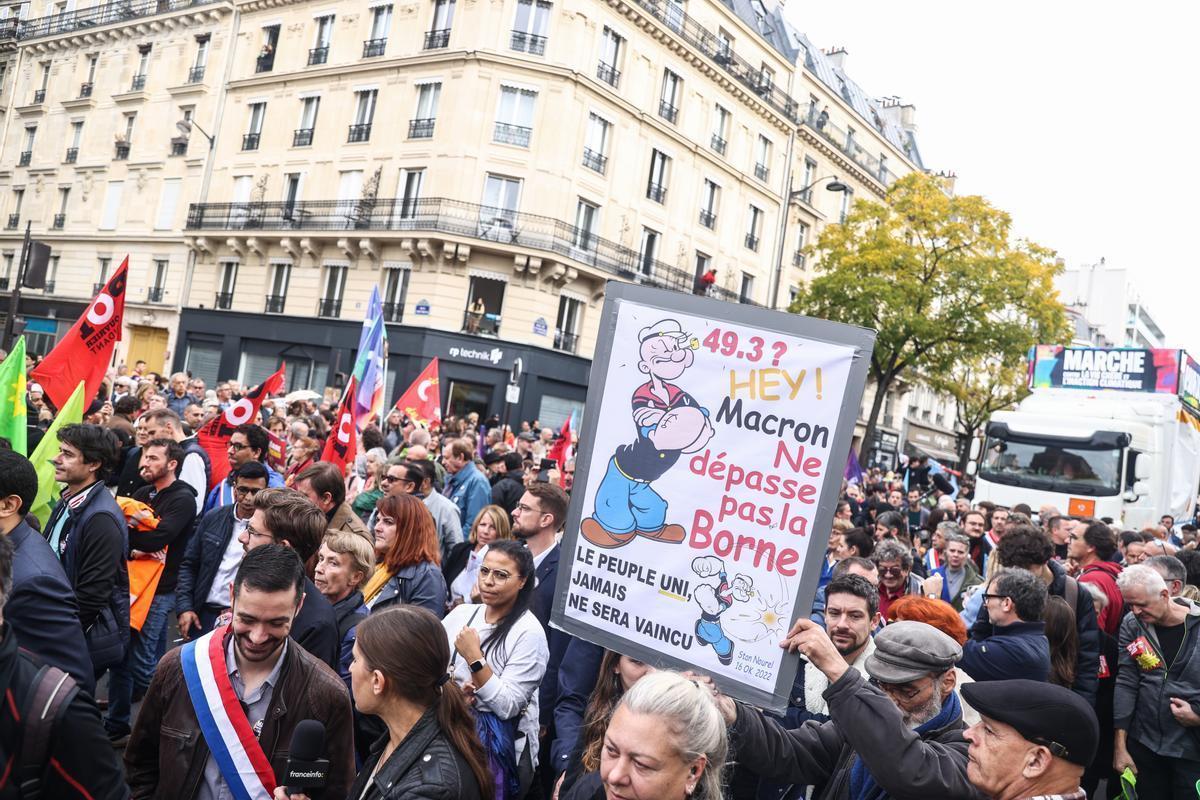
x,y
900,735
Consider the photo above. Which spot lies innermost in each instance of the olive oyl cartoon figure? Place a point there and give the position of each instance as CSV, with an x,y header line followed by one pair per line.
x,y
669,423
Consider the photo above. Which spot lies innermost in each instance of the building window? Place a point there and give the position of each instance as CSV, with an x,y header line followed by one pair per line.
x,y
883,168
319,54
395,293
656,185
529,27
258,111
595,147
421,126
52,275
60,219
501,196
724,46
438,35
703,265
810,175
281,275
675,15
585,225
112,205
228,282
335,286
762,158
291,195
102,278
266,55
799,259
566,328
753,227
410,193
514,116
609,68
364,113
198,66
709,199
158,283
485,302
303,136
27,151
381,22
746,292
847,198
720,128
648,251
766,79
668,99
6,278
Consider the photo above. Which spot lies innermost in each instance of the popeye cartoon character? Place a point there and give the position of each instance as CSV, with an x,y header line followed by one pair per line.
x,y
715,601
669,423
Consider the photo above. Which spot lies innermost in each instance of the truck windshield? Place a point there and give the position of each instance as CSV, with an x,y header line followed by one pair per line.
x,y
1050,465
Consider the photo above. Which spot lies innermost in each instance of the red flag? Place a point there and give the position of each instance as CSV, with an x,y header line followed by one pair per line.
x,y
276,452
214,437
342,444
422,402
85,352
561,450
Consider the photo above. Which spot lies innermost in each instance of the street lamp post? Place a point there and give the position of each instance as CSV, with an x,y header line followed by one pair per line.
x,y
834,185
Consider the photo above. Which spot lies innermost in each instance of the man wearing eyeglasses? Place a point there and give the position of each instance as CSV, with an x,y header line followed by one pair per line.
x,y
247,443
1016,646
1033,740
214,552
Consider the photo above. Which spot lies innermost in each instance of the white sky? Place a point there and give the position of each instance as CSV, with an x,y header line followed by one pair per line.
x,y
1080,119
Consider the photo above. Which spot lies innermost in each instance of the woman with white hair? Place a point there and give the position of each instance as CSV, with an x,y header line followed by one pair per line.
x,y
666,741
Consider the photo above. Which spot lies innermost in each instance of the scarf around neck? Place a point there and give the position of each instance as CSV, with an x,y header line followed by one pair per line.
x,y
862,782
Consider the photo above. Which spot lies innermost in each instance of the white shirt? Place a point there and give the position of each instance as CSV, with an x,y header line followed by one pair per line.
x,y
218,595
462,585
518,666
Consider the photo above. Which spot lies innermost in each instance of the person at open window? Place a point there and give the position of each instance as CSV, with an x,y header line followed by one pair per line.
x,y
475,315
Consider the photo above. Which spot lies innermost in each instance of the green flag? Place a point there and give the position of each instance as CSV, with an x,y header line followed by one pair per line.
x,y
47,449
12,398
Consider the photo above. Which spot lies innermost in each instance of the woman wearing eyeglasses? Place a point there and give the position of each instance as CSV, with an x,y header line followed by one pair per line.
x,y
499,660
406,549
462,567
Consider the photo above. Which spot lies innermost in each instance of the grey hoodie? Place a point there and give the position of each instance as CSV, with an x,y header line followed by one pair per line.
x,y
1142,699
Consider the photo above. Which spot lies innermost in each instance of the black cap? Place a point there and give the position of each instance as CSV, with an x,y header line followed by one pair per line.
x,y
492,457
1042,713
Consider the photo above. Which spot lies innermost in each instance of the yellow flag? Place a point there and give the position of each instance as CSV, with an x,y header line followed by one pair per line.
x,y
47,449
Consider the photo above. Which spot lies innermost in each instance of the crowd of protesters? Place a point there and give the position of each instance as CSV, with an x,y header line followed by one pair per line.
x,y
954,650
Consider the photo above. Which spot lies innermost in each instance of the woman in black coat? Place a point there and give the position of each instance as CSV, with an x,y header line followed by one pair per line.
x,y
430,750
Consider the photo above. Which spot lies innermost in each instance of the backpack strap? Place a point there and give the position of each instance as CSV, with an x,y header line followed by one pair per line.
x,y
51,692
1071,593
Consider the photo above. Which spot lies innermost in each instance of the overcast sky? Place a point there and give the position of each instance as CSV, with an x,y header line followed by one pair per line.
x,y
1080,119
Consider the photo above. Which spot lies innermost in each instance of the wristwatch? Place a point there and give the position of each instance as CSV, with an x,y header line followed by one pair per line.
x,y
476,666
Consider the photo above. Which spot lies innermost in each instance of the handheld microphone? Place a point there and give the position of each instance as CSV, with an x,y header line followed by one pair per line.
x,y
305,767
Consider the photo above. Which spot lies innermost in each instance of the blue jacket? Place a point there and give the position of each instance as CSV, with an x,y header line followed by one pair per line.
x,y
41,608
349,611
202,558
419,584
1019,650
470,490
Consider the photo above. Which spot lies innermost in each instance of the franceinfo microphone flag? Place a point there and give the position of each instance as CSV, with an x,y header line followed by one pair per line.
x,y
306,769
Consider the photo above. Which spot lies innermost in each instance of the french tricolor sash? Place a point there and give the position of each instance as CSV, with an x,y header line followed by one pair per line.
x,y
933,559
240,757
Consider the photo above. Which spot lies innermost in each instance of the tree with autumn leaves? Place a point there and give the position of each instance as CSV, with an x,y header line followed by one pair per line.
x,y
952,294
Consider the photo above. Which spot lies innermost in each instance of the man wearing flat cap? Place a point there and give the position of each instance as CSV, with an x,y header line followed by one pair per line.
x,y
901,735
1033,742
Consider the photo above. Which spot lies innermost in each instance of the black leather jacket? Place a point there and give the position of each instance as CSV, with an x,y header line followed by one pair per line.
x,y
426,766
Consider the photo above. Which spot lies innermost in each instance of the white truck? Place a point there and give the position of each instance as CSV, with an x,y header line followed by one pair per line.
x,y
1106,432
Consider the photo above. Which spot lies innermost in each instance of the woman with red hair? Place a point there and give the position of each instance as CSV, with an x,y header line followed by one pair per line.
x,y
406,549
942,616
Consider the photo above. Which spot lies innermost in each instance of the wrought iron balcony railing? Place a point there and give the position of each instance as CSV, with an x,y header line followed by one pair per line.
x,y
250,141
374,48
39,96
593,160
329,308
761,171
657,192
60,221
138,83
517,135
85,90
608,73
359,133
436,40
451,217
530,43
318,55
155,294
751,241
264,63
122,151
667,111
302,137
195,74
421,128
718,144
107,14
275,303
25,157
179,148
223,301
567,342
393,312
72,155
14,221
708,219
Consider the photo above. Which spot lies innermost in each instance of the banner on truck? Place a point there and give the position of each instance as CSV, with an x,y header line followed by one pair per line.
x,y
1122,369
1189,383
714,447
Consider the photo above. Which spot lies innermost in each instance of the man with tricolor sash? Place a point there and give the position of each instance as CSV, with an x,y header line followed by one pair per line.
x,y
218,718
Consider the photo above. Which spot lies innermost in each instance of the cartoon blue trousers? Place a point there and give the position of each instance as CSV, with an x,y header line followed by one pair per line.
x,y
710,632
624,505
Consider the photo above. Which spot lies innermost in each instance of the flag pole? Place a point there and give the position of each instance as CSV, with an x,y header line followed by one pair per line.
x,y
14,297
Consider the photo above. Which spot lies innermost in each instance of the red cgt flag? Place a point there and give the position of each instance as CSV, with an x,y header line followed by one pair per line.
x,y
422,402
561,451
214,437
85,352
342,445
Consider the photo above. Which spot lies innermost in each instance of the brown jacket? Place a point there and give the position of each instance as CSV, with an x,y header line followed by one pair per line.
x,y
344,519
166,754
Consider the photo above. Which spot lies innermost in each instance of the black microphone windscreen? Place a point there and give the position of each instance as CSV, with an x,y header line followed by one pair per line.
x,y
308,741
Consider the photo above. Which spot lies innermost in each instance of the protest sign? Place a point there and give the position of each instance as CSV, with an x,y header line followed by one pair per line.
x,y
1122,369
713,448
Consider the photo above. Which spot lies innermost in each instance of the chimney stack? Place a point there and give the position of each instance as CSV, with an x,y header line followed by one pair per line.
x,y
837,56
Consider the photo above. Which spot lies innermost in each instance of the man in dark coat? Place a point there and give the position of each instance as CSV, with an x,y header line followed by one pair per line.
x,y
41,609
507,490
1018,647
902,737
